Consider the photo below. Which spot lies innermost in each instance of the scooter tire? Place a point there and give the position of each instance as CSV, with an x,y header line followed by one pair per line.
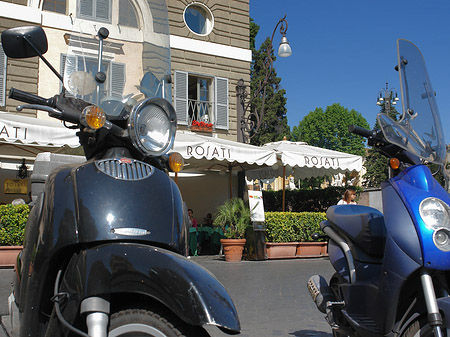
x,y
132,322
420,328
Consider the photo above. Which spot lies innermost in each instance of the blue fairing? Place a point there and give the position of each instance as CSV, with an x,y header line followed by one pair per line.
x,y
414,185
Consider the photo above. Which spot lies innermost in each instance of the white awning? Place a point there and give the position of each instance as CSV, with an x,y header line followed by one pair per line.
x,y
210,153
35,132
305,161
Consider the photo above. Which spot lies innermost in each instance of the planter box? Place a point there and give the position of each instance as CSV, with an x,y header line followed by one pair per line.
x,y
8,255
311,249
281,250
201,128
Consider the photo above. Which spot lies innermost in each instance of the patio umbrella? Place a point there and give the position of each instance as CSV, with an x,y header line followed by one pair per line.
x,y
305,161
217,154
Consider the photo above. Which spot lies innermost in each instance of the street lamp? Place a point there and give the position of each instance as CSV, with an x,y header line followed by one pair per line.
x,y
387,97
249,122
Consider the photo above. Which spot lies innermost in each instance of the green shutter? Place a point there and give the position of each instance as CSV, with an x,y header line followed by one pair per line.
x,y
181,97
2,77
117,80
221,103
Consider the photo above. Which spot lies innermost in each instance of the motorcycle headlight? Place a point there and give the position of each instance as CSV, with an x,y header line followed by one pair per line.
x,y
152,126
441,239
435,213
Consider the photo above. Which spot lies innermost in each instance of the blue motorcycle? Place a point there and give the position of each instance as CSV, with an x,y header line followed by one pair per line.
x,y
392,268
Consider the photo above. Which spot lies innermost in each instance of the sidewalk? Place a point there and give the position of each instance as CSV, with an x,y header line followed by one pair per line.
x,y
270,296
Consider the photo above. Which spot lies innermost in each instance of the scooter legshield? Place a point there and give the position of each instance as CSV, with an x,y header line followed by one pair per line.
x,y
186,288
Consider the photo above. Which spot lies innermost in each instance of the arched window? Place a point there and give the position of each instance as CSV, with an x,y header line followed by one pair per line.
x,y
57,6
127,14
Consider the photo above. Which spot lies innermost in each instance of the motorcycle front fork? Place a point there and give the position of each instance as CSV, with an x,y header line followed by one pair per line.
x,y
434,316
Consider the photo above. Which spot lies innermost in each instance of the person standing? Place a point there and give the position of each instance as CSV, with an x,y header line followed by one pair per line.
x,y
349,198
192,220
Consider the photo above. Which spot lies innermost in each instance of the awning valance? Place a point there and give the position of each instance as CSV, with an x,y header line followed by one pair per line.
x,y
34,131
304,161
210,153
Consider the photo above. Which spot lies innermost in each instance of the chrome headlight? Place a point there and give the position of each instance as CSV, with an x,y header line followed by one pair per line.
x,y
436,215
152,126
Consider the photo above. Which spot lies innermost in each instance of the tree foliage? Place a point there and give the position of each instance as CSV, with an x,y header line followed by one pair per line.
x,y
274,124
329,129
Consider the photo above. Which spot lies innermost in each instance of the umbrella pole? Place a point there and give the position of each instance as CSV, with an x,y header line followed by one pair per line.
x,y
229,181
284,186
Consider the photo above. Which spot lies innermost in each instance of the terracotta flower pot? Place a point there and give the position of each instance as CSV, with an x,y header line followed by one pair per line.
x,y
8,255
233,249
281,250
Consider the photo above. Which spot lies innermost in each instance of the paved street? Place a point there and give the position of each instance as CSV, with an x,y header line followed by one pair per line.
x,y
270,296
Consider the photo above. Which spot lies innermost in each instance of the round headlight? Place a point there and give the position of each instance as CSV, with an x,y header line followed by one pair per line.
x,y
435,213
441,239
152,126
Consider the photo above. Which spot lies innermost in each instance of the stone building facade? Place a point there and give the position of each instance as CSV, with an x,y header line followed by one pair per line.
x,y
209,54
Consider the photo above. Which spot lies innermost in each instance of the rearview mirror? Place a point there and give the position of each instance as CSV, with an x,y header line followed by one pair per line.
x,y
23,42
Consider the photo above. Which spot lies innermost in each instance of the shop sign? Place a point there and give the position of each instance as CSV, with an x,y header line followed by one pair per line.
x,y
16,186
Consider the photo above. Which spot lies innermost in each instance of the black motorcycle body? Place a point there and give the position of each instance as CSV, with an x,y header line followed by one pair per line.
x,y
106,241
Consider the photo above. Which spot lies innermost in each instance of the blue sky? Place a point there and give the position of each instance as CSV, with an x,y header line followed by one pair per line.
x,y
345,51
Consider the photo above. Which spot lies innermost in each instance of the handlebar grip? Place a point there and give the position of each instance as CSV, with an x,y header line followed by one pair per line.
x,y
26,97
360,131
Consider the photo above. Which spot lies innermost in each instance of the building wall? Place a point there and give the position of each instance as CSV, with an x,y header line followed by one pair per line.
x,y
231,29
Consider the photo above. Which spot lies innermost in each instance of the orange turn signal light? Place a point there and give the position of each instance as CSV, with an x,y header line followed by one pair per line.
x,y
394,163
176,162
93,116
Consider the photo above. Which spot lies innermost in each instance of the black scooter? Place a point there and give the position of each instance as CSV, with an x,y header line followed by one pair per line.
x,y
106,240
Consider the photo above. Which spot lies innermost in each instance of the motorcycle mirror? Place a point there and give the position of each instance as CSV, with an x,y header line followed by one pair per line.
x,y
24,42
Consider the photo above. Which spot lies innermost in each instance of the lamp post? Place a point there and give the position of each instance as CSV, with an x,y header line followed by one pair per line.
x,y
248,121
388,97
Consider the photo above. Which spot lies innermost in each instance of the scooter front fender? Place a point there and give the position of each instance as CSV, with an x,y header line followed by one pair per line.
x,y
186,288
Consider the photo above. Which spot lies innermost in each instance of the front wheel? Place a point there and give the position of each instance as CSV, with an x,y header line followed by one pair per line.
x,y
421,328
138,322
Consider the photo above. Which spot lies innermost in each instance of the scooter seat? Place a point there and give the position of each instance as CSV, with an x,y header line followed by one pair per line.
x,y
363,225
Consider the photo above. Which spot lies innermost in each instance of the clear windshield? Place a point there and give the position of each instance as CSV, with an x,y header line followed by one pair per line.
x,y
135,55
419,130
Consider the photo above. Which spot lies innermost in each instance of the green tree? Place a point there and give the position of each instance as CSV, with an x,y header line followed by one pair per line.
x,y
329,129
274,124
377,164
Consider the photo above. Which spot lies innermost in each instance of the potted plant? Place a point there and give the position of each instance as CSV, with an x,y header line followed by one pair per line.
x,y
13,219
308,224
233,216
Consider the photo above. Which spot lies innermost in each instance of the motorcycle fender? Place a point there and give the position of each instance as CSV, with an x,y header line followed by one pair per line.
x,y
186,288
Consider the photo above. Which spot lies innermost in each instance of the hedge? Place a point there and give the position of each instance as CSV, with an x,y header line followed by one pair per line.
x,y
315,200
291,226
12,224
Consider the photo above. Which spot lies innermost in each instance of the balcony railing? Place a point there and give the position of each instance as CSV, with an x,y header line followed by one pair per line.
x,y
201,111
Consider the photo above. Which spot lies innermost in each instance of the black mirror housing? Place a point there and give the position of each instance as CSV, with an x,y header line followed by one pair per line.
x,y
24,42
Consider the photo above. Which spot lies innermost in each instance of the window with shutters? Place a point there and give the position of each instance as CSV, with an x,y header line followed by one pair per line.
x,y
115,73
201,100
99,10
2,77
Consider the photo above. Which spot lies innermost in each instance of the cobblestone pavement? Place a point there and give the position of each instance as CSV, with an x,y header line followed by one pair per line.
x,y
270,296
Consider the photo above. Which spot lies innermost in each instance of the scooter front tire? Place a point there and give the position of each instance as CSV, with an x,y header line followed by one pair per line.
x,y
420,328
131,322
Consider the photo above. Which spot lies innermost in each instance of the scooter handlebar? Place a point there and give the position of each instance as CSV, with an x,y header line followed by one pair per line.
x,y
360,131
26,97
